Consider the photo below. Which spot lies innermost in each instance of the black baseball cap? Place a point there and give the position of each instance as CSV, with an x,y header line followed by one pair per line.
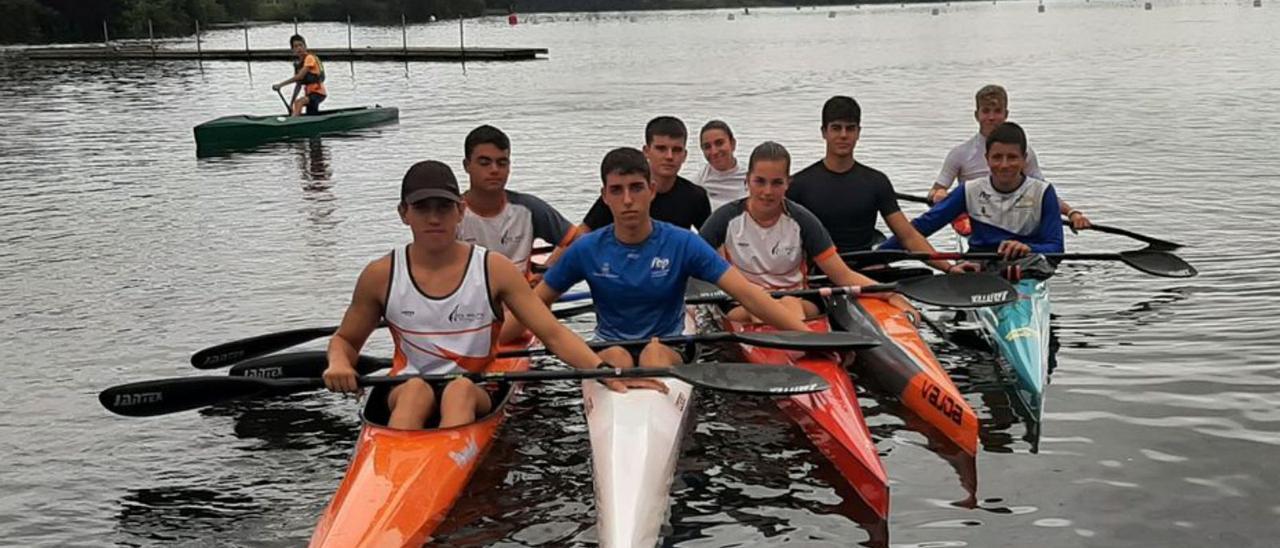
x,y
429,179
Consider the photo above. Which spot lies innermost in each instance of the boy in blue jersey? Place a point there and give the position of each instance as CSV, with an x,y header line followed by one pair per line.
x,y
637,269
1012,213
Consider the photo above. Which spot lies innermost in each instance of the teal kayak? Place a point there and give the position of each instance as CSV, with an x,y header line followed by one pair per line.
x,y
1020,333
244,130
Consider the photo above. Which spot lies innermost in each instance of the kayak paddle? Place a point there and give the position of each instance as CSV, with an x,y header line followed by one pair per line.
x,y
1148,260
163,396
287,107
1156,244
313,363
953,291
229,353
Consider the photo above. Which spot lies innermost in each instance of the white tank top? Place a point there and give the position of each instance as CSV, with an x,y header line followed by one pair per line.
x,y
440,335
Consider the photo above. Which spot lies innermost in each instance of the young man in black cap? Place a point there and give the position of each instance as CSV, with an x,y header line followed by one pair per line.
x,y
443,302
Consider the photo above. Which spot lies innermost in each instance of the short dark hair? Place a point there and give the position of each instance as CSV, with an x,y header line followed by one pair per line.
x,y
1008,133
624,161
666,126
769,151
717,124
841,108
297,38
482,135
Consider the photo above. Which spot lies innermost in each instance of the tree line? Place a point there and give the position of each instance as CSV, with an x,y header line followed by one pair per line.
x,y
42,21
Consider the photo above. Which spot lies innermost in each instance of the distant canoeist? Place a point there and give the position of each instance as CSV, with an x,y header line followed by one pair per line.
x,y
847,195
444,302
723,176
1012,213
309,74
968,160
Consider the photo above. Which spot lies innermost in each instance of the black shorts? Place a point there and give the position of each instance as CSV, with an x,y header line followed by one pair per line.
x,y
378,411
313,103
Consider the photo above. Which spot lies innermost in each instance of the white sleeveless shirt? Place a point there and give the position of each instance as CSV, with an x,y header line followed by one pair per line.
x,y
440,335
1017,212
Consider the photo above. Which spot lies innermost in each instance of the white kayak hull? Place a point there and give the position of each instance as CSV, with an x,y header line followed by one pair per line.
x,y
635,443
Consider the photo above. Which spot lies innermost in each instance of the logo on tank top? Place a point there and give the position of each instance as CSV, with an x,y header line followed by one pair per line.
x,y
779,249
460,316
659,267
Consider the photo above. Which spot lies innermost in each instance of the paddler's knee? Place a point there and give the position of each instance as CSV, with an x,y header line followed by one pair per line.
x,y
415,393
617,356
461,401
656,354
411,404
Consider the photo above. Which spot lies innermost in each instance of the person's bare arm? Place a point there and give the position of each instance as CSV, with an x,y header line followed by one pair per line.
x,y
757,302
912,240
840,274
359,321
532,311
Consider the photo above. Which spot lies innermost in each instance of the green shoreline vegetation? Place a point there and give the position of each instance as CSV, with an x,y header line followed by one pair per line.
x,y
51,21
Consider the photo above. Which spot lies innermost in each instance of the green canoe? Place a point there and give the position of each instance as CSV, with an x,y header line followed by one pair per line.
x,y
242,130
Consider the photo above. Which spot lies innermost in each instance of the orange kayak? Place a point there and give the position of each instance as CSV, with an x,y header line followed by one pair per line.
x,y
831,419
402,483
904,366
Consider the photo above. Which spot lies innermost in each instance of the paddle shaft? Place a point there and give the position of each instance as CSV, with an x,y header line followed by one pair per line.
x,y
163,396
314,383
236,351
714,298
1164,245
287,107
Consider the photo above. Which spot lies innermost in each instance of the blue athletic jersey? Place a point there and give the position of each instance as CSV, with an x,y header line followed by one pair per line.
x,y
638,289
1043,233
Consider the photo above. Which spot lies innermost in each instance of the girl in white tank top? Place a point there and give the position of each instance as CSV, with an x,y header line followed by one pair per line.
x,y
440,335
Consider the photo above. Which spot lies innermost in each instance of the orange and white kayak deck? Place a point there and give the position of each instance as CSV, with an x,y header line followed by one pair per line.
x,y
402,483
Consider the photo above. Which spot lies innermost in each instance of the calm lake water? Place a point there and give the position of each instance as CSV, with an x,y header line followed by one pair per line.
x,y
123,253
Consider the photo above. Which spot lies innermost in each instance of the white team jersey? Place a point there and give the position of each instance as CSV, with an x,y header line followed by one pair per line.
x,y
968,161
439,335
772,257
723,186
514,229
1017,212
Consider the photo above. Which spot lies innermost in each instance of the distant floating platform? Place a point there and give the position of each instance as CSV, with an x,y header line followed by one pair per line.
x,y
120,53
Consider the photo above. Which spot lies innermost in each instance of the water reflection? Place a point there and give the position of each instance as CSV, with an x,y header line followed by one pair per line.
x,y
183,514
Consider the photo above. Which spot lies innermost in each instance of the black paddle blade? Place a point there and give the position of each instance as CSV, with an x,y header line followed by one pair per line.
x,y
750,378
300,364
232,352
805,340
159,397
1158,263
969,290
574,310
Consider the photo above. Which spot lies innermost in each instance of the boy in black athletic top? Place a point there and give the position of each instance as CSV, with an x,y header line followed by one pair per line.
x,y
846,195
678,201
